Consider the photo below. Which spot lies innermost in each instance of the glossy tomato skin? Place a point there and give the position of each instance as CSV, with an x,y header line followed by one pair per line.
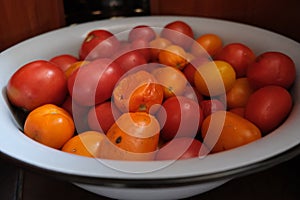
x,y
272,68
78,112
179,116
224,130
143,32
93,83
181,148
64,61
268,107
190,69
102,116
98,44
211,105
179,33
130,60
142,46
37,83
238,55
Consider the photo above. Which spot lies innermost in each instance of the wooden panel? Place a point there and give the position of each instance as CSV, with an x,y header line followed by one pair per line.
x,y
280,16
22,19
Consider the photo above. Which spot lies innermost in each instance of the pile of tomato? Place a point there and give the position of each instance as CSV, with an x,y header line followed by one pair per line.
x,y
154,96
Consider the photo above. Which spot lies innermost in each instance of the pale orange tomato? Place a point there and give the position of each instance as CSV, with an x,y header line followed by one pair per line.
x,y
173,80
134,136
84,144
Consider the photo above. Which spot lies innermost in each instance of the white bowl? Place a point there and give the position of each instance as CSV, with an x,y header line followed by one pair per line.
x,y
148,180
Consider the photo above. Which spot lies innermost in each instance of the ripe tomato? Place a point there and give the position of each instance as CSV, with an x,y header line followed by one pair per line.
x,y
272,68
134,136
142,46
224,130
49,125
172,80
214,78
143,32
210,43
84,144
78,113
130,60
192,93
156,45
102,116
190,69
210,106
64,61
268,107
173,56
73,67
98,44
179,116
239,111
93,83
181,148
138,91
239,94
179,33
36,83
238,55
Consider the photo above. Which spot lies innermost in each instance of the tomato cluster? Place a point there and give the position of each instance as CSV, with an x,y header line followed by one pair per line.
x,y
157,95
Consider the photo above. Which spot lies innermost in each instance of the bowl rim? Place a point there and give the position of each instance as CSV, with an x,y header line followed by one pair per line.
x,y
244,167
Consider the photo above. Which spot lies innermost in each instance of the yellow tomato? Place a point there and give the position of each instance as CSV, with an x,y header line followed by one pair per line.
x,y
214,78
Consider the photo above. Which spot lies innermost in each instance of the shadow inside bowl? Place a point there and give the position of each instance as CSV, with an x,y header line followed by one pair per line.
x,y
18,115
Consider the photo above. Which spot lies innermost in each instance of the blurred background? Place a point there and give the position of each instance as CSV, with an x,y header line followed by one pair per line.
x,y
22,19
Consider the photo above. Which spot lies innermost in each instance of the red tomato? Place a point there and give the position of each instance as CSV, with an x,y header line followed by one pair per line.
x,y
143,32
239,111
36,83
64,61
268,107
179,116
102,116
130,60
192,93
238,55
141,46
179,33
210,106
78,113
181,148
272,68
98,44
94,82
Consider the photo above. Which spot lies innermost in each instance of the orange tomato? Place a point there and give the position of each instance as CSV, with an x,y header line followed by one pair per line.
x,y
174,56
157,45
50,125
84,144
225,130
208,43
139,91
173,80
74,66
214,78
239,94
134,136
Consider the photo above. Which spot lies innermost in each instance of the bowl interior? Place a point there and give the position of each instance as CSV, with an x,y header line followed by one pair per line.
x,y
68,40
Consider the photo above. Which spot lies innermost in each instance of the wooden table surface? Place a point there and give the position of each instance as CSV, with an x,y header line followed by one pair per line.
x,y
280,182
